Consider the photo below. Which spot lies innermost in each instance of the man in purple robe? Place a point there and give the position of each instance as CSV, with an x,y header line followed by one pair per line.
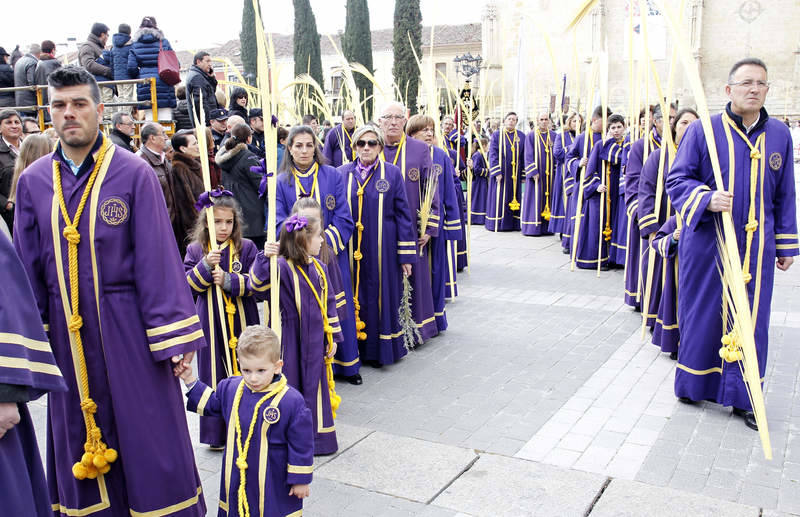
x,y
564,183
538,178
339,148
755,158
633,170
506,167
414,160
480,169
27,371
93,233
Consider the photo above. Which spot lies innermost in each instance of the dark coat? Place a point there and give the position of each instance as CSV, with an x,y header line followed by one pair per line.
x,y
6,81
120,50
235,109
187,181
121,140
239,179
25,75
7,159
181,116
47,65
198,81
89,53
163,171
143,63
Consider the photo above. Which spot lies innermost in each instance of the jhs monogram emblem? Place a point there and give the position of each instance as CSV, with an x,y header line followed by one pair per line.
x,y
382,185
413,174
114,211
272,415
775,161
330,202
237,266
437,169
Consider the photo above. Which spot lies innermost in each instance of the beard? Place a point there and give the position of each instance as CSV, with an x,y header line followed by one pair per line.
x,y
80,139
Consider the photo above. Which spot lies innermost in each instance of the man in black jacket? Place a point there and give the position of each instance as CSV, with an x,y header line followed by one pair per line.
x,y
46,66
123,130
200,79
256,118
6,80
24,75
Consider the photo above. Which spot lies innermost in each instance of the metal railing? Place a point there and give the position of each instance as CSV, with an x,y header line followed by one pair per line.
x,y
40,108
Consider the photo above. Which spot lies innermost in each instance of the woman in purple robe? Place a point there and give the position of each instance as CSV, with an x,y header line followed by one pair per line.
x,y
304,173
666,334
310,326
506,168
414,159
23,488
538,178
480,171
763,210
560,196
422,127
234,256
382,249
633,171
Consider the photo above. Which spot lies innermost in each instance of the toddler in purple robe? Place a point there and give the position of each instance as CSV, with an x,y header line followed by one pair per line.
x,y
269,455
224,268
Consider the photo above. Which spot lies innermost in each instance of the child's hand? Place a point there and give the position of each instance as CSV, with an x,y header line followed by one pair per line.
x,y
271,249
300,491
332,351
676,234
183,368
219,277
213,258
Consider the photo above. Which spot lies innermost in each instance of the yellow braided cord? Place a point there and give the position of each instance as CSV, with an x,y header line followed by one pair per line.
x,y
546,145
752,222
607,230
97,457
322,301
230,311
513,204
241,456
298,187
357,256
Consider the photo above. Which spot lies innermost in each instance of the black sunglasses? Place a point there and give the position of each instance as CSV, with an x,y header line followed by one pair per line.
x,y
367,143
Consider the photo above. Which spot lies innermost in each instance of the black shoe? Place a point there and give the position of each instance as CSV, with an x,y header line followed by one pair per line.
x,y
565,251
374,364
686,400
748,417
673,356
604,267
354,379
216,447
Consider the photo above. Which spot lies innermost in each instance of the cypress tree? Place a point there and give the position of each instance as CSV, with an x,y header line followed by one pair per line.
x,y
407,21
357,48
247,40
307,59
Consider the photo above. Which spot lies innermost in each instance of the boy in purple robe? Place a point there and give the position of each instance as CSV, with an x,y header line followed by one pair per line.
x,y
383,248
123,294
748,143
506,167
414,160
666,334
269,454
480,171
538,178
27,371
633,170
339,148
618,216
576,160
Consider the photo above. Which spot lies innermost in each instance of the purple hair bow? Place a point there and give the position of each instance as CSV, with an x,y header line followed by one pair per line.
x,y
274,121
295,222
204,199
261,168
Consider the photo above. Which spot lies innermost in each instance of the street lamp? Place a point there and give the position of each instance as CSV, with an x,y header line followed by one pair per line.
x,y
467,65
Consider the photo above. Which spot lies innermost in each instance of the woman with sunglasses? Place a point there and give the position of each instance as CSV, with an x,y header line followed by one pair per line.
x,y
383,247
304,173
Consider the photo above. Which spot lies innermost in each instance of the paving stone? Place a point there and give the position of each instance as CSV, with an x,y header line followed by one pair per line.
x,y
399,466
628,498
500,486
346,437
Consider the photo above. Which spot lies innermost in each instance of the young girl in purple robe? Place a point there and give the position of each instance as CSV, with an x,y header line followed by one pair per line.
x,y
310,328
225,269
269,457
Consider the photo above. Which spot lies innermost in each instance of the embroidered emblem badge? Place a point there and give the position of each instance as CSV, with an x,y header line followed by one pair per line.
x,y
114,211
272,415
330,202
236,267
775,161
413,174
437,169
382,185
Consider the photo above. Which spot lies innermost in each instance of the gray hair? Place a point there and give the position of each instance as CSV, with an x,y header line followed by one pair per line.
x,y
742,62
151,129
368,128
393,104
117,117
36,48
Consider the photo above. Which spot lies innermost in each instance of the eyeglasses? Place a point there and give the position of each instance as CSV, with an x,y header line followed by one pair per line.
x,y
388,118
749,83
366,143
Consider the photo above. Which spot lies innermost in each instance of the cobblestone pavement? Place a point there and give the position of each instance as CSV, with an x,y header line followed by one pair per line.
x,y
543,399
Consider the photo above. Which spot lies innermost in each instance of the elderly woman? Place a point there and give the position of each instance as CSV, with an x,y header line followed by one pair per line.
x,y
303,172
383,247
442,247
